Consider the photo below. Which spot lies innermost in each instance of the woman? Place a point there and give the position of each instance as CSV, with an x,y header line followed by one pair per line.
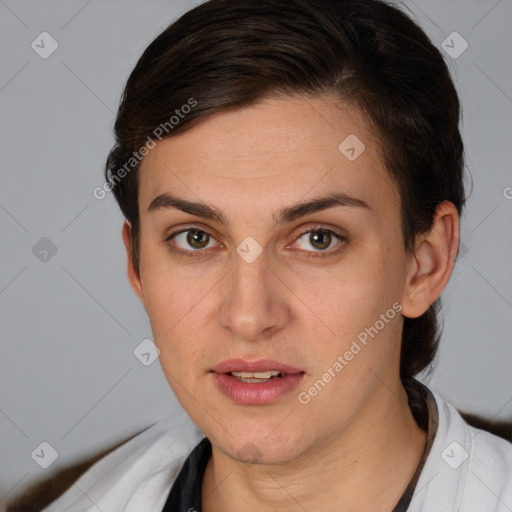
x,y
291,174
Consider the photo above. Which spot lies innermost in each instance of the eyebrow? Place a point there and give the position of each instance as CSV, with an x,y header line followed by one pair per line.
x,y
288,214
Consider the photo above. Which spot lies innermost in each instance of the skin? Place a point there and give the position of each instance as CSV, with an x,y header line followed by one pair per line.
x,y
355,445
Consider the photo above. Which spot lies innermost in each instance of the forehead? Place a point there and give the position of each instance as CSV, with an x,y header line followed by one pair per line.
x,y
276,151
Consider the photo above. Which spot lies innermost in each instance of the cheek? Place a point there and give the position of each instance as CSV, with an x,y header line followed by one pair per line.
x,y
358,338
357,303
179,300
359,289
168,298
172,311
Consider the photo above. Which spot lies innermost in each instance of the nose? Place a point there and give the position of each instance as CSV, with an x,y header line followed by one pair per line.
x,y
254,302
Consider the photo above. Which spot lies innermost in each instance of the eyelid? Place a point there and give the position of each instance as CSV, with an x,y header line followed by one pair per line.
x,y
191,227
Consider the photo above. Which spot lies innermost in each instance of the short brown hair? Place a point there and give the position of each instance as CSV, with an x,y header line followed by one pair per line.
x,y
232,53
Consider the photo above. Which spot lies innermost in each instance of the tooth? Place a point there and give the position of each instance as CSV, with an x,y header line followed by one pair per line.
x,y
256,375
253,381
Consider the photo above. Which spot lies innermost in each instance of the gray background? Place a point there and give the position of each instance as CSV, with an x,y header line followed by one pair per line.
x,y
70,324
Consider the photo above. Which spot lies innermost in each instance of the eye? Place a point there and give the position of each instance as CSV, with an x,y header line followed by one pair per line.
x,y
191,240
320,240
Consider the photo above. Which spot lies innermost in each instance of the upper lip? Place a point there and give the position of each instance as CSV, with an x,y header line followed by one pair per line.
x,y
261,365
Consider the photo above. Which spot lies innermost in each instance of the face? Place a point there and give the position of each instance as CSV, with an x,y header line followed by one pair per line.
x,y
253,276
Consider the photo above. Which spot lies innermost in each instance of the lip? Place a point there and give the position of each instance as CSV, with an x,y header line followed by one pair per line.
x,y
244,393
261,365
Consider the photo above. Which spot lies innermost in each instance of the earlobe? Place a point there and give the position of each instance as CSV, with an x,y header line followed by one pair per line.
x,y
133,272
432,262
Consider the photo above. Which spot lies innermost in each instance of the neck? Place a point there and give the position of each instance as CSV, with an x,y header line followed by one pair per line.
x,y
366,467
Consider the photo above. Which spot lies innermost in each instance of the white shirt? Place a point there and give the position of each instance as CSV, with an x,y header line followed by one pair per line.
x,y
467,470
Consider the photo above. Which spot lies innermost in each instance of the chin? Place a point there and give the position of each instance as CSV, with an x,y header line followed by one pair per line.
x,y
262,445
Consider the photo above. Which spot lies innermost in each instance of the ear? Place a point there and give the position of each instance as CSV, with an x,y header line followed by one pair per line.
x,y
432,262
133,273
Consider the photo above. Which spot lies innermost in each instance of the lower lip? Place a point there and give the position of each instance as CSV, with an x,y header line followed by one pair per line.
x,y
256,394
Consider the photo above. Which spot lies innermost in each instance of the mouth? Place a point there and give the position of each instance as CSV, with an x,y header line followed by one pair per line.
x,y
256,382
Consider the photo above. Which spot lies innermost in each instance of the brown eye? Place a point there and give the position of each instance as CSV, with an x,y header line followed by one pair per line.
x,y
192,240
197,239
320,239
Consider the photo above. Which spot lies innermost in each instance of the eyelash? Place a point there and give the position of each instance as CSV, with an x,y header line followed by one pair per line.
x,y
201,253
